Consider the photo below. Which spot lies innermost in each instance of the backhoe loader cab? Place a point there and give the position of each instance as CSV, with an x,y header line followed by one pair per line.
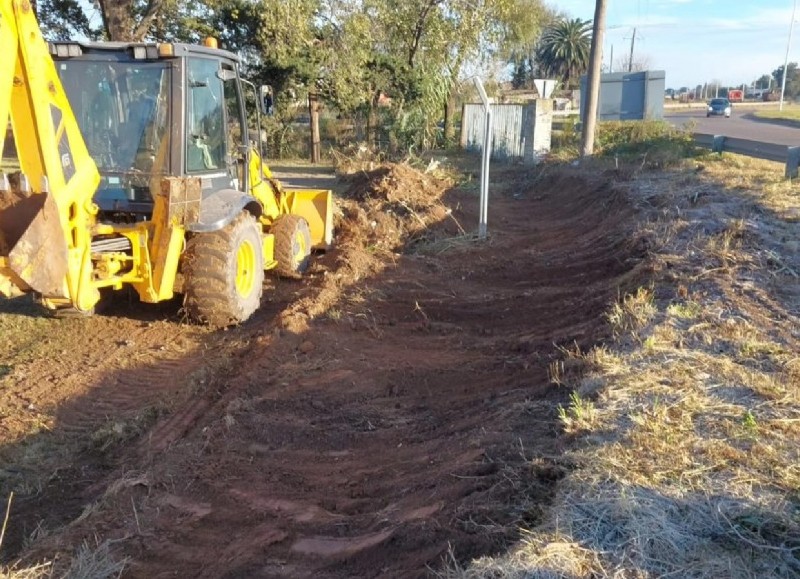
x,y
149,111
136,169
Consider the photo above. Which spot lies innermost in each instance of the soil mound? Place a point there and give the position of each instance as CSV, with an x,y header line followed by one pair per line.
x,y
386,207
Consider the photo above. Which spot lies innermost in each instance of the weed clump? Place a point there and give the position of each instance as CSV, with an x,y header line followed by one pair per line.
x,y
657,144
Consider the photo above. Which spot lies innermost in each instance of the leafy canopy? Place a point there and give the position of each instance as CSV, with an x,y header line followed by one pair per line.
x,y
564,49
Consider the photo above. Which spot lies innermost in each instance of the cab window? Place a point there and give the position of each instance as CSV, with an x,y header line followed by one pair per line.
x,y
205,117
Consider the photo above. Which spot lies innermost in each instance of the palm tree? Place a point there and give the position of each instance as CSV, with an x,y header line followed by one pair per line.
x,y
564,49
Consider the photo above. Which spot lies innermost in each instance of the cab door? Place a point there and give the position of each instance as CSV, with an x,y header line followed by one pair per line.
x,y
214,134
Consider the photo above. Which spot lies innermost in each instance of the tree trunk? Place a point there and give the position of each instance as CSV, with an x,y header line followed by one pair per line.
x,y
313,109
372,120
449,124
119,22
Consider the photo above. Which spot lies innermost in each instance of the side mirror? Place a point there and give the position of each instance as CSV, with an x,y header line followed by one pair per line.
x,y
266,100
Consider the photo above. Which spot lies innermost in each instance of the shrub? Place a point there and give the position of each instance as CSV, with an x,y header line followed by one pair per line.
x,y
659,142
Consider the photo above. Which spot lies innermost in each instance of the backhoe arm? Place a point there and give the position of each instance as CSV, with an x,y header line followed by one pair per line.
x,y
46,213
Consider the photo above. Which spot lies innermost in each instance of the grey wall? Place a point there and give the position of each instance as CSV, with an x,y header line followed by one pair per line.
x,y
629,96
519,131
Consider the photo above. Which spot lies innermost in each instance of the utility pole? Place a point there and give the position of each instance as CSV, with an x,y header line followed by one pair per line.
x,y
593,79
630,60
786,60
611,62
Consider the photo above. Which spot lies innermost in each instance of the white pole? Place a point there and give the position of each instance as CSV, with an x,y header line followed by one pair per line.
x,y
786,60
487,153
487,148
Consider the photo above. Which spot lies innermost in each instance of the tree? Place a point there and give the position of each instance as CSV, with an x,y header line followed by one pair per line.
x,y
564,49
349,52
416,51
520,44
639,63
63,19
713,88
792,80
128,20
763,82
485,31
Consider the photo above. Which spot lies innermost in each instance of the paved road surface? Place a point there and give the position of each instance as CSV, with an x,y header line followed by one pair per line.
x,y
742,125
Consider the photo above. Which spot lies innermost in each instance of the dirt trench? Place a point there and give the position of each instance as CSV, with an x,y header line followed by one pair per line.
x,y
392,410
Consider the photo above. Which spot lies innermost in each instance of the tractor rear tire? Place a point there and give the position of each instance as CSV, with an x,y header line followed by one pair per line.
x,y
224,273
292,245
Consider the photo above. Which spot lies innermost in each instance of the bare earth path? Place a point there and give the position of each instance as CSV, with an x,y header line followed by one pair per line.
x,y
391,407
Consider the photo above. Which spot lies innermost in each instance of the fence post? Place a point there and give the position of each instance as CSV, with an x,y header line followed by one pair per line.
x,y
792,161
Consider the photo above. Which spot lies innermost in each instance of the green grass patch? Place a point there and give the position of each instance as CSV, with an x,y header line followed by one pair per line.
x,y
789,113
658,141
653,144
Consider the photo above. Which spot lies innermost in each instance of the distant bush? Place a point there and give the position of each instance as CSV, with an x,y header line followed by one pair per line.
x,y
658,141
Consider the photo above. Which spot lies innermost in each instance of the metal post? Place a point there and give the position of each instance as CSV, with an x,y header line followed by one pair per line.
x,y
786,60
487,153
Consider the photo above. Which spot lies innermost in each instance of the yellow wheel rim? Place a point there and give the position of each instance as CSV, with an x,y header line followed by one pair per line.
x,y
245,268
300,247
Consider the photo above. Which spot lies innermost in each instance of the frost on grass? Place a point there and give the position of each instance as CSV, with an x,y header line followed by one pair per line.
x,y
687,462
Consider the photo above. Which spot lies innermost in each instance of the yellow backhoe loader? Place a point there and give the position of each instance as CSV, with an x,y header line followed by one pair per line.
x,y
136,169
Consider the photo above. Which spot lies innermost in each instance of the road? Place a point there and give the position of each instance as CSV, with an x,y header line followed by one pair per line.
x,y
742,125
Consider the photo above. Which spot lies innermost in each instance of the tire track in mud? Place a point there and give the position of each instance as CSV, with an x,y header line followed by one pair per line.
x,y
400,425
103,381
129,371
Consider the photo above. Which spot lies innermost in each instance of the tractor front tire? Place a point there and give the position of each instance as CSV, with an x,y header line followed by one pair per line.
x,y
224,273
292,245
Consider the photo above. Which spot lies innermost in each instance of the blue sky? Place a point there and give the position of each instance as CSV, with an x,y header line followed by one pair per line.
x,y
696,41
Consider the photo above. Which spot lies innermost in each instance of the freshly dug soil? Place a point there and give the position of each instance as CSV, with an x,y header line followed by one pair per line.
x,y
391,409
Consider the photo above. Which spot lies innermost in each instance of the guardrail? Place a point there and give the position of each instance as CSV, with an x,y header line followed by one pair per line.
x,y
702,104
768,151
790,156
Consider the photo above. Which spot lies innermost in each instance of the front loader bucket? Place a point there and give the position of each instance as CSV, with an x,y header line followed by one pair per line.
x,y
33,251
315,206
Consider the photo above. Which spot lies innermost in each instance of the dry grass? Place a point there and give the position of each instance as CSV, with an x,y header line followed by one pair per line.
x,y
89,562
42,571
688,463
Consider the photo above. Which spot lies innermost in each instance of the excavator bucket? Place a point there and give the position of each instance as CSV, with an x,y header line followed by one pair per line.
x,y
46,214
315,206
33,254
